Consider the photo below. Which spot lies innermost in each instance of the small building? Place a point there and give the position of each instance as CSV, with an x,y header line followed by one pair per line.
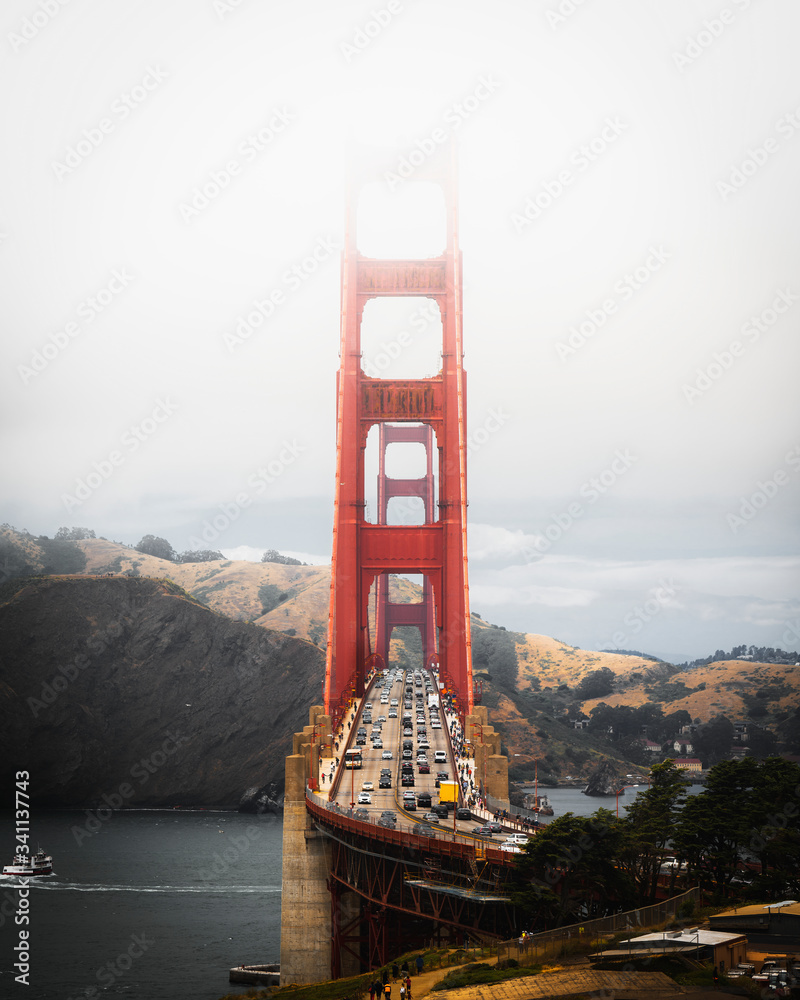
x,y
693,764
650,746
682,746
778,920
725,950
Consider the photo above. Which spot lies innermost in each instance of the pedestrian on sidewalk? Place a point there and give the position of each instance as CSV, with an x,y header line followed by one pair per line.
x,y
420,963
387,990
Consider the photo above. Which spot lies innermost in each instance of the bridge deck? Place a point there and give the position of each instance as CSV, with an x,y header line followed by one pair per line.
x,y
342,789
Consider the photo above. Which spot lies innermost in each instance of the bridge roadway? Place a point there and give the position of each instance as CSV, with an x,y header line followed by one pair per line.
x,y
348,784
433,730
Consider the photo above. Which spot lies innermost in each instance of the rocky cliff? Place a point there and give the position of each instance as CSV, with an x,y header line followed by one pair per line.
x,y
128,689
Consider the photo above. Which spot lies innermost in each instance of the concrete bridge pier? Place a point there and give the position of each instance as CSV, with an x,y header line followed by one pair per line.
x,y
305,904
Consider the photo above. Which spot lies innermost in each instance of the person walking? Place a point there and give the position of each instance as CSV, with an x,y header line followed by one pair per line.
x,y
420,963
716,978
408,987
372,991
387,990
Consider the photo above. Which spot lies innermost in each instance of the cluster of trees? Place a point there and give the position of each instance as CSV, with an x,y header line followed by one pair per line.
x,y
625,724
761,654
152,545
58,556
273,556
739,837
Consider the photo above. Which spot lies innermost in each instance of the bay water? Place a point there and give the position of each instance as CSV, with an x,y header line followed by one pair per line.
x,y
150,904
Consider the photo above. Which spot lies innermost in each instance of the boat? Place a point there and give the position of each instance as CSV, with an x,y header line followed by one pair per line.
x,y
26,864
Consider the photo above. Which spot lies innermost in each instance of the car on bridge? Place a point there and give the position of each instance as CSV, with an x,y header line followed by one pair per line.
x,y
367,786
463,813
407,779
386,755
377,744
424,799
361,814
364,799
482,831
385,782
392,713
423,767
440,757
431,817
407,755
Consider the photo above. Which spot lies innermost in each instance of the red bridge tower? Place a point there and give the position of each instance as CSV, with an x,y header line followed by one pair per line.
x,y
427,411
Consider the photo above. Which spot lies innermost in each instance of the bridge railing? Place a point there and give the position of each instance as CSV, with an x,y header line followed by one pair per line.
x,y
563,940
442,835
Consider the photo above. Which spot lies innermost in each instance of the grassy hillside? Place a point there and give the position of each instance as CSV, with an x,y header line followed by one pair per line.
x,y
532,683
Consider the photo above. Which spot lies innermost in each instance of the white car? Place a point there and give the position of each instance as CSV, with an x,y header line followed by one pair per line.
x,y
511,848
364,799
386,755
440,757
367,786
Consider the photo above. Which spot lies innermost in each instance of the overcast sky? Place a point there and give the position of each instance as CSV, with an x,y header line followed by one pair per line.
x,y
170,223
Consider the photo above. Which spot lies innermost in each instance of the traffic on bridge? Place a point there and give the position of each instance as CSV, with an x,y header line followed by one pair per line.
x,y
400,755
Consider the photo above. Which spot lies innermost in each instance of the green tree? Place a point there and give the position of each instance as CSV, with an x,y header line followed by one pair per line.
x,y
199,555
151,545
61,557
273,556
596,684
650,819
570,870
74,534
775,836
715,827
712,741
